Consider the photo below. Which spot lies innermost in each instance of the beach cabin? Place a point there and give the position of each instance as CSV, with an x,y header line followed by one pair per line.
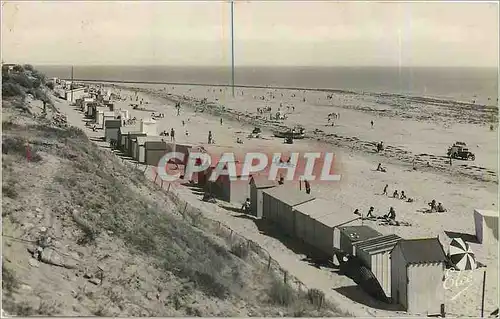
x,y
154,151
85,103
417,275
140,150
278,204
149,127
131,141
123,133
124,115
107,116
75,94
258,183
99,118
486,222
201,178
315,223
346,236
375,253
91,110
184,148
111,129
232,189
110,106
214,152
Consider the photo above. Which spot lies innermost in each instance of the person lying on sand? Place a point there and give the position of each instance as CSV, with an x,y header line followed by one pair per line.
x,y
403,196
239,140
380,168
392,222
356,212
409,200
440,208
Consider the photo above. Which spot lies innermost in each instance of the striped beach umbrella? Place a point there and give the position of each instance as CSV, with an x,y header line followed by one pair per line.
x,y
461,255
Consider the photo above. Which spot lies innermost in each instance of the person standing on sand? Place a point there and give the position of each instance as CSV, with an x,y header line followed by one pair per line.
x,y
371,122
385,189
308,186
281,181
209,137
221,121
172,135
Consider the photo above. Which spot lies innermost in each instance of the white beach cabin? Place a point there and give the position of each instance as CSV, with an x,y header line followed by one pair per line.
x,y
486,222
149,127
315,223
258,183
417,276
278,204
375,253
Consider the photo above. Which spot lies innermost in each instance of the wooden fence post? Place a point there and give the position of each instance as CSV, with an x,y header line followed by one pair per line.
x,y
168,189
269,263
162,183
285,276
185,207
482,298
156,177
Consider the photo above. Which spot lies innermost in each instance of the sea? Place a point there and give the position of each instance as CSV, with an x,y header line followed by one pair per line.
x,y
460,84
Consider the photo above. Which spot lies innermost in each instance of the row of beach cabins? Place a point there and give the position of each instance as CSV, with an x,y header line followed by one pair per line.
x,y
407,272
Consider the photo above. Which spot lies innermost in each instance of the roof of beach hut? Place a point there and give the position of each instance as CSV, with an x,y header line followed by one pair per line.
x,y
425,250
288,195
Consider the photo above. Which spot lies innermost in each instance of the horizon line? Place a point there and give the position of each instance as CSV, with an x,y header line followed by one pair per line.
x,y
260,66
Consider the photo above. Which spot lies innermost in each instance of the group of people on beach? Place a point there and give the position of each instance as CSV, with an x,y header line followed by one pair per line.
x,y
436,208
391,215
171,134
397,195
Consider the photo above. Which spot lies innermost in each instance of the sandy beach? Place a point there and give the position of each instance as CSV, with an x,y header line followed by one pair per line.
x,y
421,132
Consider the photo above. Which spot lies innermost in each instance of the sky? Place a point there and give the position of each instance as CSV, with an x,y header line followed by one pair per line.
x,y
279,33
